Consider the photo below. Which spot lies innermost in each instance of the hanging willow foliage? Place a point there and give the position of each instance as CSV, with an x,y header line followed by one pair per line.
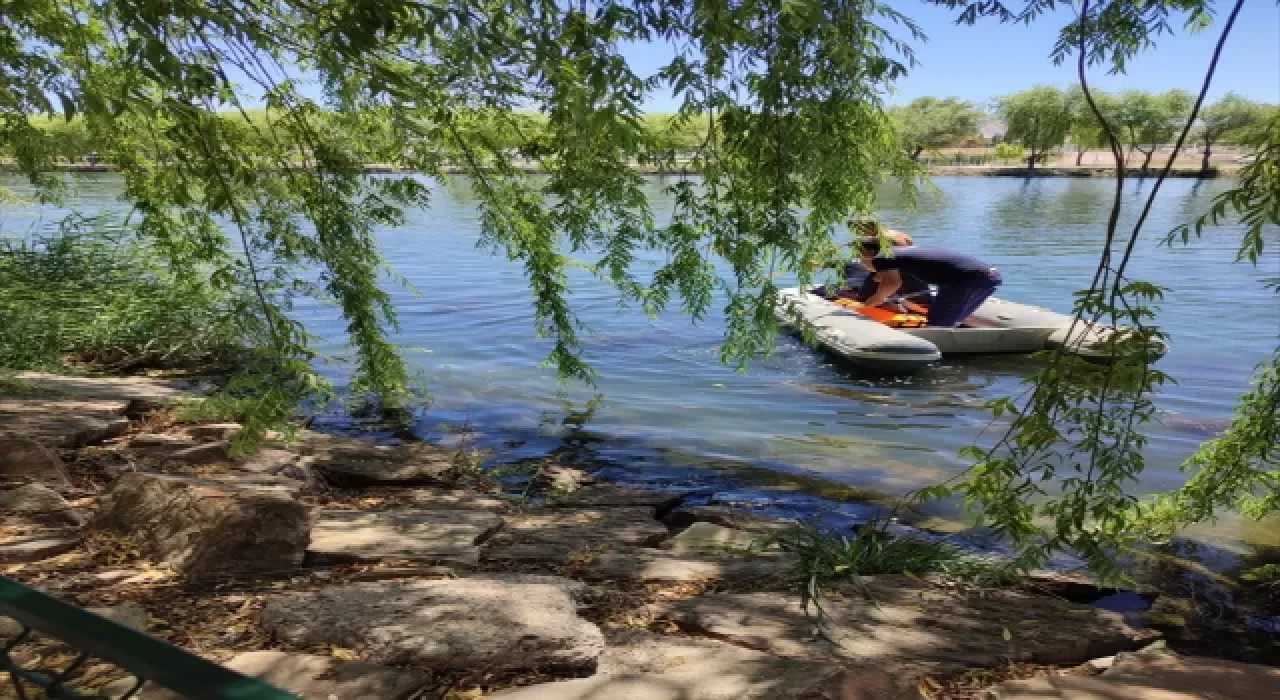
x,y
1062,476
275,203
790,92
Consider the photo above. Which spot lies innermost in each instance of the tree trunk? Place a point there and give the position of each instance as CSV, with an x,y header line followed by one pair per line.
x,y
915,155
1031,161
1146,161
1079,156
1204,162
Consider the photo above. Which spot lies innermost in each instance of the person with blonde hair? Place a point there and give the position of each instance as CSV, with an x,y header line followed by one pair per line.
x,y
858,275
869,227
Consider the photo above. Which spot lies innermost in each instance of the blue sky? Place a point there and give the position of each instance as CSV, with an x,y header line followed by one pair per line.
x,y
987,60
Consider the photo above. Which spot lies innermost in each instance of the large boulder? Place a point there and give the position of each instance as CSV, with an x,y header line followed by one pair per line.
x,y
307,676
461,624
39,505
441,536
894,618
206,529
24,461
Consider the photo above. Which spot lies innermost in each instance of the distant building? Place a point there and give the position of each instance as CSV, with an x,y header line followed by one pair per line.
x,y
992,131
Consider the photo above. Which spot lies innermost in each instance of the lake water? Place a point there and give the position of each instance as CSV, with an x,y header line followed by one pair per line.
x,y
795,430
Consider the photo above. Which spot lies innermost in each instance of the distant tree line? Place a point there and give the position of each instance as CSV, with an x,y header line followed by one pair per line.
x,y
1044,118
1036,122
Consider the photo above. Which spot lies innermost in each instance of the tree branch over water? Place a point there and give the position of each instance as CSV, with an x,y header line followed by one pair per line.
x,y
1060,478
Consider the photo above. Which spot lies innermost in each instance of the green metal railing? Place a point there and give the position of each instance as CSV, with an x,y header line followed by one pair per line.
x,y
148,659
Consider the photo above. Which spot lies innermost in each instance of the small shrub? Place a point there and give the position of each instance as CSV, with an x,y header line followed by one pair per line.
x,y
1010,152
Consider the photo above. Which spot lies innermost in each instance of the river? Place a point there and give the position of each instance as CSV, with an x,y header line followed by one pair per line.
x,y
795,433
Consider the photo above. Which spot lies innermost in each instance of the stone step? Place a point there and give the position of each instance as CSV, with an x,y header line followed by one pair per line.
x,y
439,536
901,618
452,624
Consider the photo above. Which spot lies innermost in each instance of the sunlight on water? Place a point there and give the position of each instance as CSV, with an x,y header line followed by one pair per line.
x,y
796,414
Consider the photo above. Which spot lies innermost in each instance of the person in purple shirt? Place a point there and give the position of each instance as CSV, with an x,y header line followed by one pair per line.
x,y
963,281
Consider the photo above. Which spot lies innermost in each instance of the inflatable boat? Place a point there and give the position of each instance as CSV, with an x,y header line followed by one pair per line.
x,y
897,341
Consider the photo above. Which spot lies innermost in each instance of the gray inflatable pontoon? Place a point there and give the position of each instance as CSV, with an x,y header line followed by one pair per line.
x,y
997,326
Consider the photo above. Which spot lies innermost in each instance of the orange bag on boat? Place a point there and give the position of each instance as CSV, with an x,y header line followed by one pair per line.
x,y
890,318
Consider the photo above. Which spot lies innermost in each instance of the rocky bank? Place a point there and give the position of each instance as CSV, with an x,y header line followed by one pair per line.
x,y
336,568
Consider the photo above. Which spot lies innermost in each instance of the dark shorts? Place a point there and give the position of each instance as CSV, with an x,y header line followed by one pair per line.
x,y
955,302
857,277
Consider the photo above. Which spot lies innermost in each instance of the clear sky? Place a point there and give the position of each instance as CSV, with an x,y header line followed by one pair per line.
x,y
989,59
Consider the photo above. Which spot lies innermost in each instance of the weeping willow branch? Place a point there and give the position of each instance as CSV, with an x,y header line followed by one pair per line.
x,y
1058,478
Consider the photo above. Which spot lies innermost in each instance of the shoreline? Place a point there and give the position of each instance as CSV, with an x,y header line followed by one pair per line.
x,y
607,571
1084,171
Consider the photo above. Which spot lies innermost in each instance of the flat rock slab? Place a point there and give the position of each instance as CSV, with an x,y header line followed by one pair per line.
x,y
726,516
617,495
708,538
281,486
645,666
1153,674
162,441
455,499
120,389
267,461
213,432
460,624
34,547
66,411
313,677
351,462
640,564
444,536
202,453
569,529
59,422
206,529
910,619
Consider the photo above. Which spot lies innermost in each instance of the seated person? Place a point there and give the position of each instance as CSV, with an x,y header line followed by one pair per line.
x,y
963,282
857,276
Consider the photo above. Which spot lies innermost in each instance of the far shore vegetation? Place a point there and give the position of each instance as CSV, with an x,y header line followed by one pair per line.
x,y
938,132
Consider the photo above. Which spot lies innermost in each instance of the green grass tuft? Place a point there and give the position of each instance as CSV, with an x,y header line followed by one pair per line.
x,y
825,559
91,296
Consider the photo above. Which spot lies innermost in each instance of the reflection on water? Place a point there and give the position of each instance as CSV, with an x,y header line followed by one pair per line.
x,y
797,423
